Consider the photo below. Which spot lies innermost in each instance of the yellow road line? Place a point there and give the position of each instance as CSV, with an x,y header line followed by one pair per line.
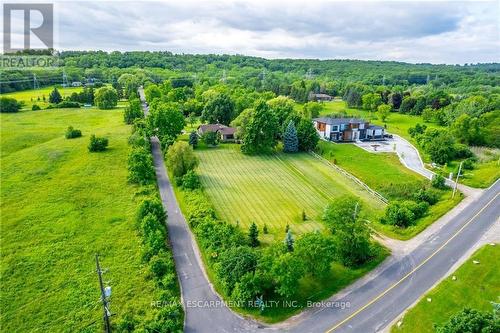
x,y
413,271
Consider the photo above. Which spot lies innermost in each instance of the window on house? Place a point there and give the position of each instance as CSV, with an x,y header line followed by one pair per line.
x,y
321,126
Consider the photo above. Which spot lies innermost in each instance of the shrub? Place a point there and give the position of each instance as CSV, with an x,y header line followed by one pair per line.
x,y
159,265
133,111
9,105
181,158
428,195
211,138
468,164
140,167
470,320
404,213
462,151
97,144
438,181
153,206
190,181
35,107
72,133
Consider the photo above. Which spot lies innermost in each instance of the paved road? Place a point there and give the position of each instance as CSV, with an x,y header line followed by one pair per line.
x,y
373,304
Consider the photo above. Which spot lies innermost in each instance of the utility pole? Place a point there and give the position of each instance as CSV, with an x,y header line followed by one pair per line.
x,y
355,211
456,181
64,79
104,299
35,82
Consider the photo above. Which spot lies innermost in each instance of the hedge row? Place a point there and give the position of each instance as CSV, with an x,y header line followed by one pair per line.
x,y
155,251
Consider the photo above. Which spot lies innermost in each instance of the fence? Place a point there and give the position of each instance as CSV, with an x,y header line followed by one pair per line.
x,y
351,177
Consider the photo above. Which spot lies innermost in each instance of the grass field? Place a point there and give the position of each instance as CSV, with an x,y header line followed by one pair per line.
x,y
475,287
60,205
384,173
30,97
273,190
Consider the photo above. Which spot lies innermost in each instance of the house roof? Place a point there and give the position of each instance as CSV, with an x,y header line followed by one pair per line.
x,y
375,127
227,130
223,129
322,95
210,127
339,121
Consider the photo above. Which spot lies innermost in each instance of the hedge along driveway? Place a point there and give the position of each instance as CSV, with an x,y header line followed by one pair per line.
x,y
273,190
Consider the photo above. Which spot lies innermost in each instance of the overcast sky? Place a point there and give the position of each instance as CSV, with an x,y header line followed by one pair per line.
x,y
435,32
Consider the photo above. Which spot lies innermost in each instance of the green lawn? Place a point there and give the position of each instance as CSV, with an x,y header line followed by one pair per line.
x,y
483,175
475,286
60,205
273,190
30,97
384,173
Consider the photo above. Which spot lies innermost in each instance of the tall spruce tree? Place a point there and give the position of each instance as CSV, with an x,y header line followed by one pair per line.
x,y
290,139
289,241
193,139
55,97
253,235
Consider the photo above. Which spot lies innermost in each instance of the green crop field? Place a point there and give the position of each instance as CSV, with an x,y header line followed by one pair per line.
x,y
475,287
30,97
60,205
273,190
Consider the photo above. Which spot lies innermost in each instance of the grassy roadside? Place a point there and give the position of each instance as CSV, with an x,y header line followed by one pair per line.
x,y
60,205
475,287
384,173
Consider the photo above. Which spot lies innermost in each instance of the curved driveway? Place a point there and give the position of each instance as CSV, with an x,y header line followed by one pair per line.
x,y
373,302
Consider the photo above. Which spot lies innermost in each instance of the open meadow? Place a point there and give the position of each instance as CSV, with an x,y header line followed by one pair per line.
x,y
40,96
60,205
273,190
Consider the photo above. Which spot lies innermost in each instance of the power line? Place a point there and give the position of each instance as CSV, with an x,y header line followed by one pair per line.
x,y
104,297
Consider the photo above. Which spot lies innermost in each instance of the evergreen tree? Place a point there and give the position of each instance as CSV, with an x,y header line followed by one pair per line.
x,y
55,97
253,235
289,241
290,139
193,139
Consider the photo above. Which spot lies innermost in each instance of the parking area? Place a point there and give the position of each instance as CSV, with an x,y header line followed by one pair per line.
x,y
387,146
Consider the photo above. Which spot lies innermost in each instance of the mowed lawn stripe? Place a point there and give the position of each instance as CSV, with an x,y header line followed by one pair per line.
x,y
271,190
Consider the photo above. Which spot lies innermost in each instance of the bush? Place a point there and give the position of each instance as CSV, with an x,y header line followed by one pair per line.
x,y
404,213
153,206
181,158
140,167
462,151
160,264
72,133
428,195
470,320
468,164
190,181
97,144
438,181
9,105
35,107
133,111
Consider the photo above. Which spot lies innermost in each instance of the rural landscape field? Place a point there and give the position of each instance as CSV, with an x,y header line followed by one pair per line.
x,y
257,167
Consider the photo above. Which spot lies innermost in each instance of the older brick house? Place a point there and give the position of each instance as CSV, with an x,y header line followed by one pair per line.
x,y
347,129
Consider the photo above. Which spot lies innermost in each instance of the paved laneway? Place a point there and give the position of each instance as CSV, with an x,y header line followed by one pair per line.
x,y
374,301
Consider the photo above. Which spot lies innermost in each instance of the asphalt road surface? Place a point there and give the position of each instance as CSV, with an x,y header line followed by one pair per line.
x,y
368,308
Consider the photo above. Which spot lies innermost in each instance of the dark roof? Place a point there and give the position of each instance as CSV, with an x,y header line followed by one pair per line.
x,y
216,128
210,127
339,121
227,130
375,127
